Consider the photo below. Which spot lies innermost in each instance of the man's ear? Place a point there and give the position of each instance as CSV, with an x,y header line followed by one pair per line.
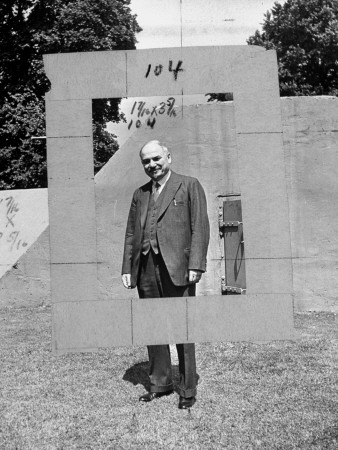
x,y
169,157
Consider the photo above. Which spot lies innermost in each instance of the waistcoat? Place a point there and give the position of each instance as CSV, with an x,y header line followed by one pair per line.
x,y
150,228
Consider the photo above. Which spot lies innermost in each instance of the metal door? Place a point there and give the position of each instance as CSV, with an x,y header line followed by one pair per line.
x,y
231,230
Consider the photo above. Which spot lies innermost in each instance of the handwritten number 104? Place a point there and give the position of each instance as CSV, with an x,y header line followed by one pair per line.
x,y
159,68
141,109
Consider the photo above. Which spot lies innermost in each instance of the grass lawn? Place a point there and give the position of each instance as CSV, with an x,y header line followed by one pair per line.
x,y
280,395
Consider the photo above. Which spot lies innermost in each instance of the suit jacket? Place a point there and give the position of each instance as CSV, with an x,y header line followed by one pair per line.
x,y
182,228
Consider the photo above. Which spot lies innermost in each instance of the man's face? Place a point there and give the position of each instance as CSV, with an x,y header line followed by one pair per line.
x,y
156,161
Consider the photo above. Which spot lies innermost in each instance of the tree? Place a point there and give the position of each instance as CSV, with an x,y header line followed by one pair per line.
x,y
304,34
22,160
28,29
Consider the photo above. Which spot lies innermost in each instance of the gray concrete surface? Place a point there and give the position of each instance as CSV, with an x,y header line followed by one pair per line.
x,y
310,126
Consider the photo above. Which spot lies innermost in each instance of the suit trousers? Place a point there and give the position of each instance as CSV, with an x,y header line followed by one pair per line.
x,y
154,281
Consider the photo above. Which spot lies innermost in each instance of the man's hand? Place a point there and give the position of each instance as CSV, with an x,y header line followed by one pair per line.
x,y
195,276
126,280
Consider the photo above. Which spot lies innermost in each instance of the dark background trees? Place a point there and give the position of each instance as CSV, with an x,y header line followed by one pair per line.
x,y
29,29
304,34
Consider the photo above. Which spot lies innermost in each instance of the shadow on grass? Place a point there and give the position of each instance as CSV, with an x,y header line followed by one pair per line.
x,y
328,437
139,374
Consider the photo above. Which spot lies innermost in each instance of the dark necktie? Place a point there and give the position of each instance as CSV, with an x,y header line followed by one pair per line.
x,y
156,191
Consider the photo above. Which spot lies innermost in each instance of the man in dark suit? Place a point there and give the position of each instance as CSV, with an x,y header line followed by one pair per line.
x,y
165,251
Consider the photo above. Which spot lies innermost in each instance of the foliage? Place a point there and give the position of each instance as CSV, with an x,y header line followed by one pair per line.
x,y
305,37
224,97
29,29
22,160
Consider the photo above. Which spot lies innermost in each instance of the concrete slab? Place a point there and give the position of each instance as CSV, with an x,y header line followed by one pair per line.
x,y
314,284
72,223
74,282
159,321
71,118
256,93
86,326
72,75
108,74
309,114
23,217
271,318
70,161
183,70
27,282
270,276
264,197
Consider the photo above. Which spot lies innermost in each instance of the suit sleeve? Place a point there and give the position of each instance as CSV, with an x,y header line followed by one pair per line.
x,y
129,237
200,231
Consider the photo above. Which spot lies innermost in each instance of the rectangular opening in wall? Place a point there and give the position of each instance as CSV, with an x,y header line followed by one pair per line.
x,y
199,132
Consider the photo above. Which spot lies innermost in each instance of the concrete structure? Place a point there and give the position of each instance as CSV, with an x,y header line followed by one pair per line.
x,y
23,217
311,161
80,258
310,126
24,247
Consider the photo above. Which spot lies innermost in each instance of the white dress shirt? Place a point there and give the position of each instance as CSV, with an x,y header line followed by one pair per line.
x,y
162,182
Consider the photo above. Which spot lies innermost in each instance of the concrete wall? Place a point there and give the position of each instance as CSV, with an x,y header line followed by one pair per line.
x,y
23,217
28,282
310,134
24,248
310,138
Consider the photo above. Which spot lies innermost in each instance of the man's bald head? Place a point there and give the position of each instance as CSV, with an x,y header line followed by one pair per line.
x,y
154,143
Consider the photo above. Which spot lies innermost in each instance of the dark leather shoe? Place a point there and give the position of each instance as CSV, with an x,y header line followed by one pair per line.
x,y
186,403
150,396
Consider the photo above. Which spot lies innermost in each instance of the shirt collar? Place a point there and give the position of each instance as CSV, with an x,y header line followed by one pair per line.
x,y
163,180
